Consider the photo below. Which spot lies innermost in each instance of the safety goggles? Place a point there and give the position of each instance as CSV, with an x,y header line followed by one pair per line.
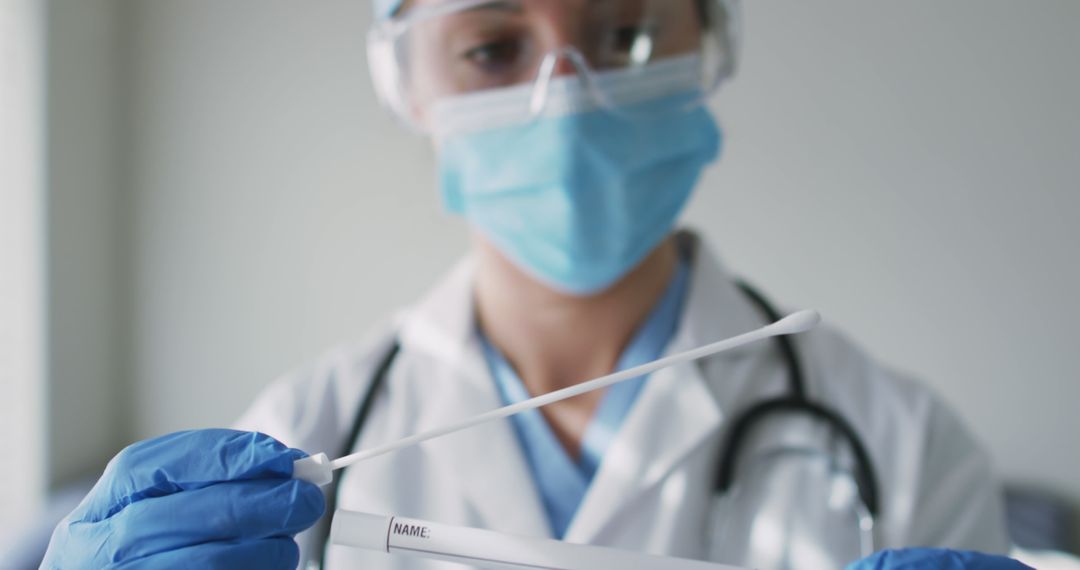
x,y
620,52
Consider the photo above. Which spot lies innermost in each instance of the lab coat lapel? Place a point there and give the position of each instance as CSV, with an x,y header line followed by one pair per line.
x,y
484,462
674,416
678,411
681,409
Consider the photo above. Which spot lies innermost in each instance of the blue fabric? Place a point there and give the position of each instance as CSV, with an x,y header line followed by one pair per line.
x,y
197,499
938,559
561,481
578,200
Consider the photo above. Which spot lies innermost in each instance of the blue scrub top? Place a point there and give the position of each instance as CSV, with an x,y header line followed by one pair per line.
x,y
561,481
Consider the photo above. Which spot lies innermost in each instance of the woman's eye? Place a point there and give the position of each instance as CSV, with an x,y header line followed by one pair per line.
x,y
495,54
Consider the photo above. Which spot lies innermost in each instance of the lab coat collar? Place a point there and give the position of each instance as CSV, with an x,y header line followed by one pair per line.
x,y
442,325
486,462
676,414
716,309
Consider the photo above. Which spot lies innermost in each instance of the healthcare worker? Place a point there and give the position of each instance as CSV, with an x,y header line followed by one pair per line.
x,y
570,134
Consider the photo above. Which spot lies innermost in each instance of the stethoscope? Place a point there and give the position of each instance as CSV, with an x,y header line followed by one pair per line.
x,y
794,402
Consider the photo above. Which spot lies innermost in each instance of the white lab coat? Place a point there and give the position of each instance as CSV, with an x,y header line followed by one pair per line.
x,y
650,493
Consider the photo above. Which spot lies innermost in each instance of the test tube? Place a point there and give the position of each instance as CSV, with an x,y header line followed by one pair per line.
x,y
489,549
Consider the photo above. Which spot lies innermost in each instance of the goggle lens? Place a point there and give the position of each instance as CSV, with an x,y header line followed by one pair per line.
x,y
456,47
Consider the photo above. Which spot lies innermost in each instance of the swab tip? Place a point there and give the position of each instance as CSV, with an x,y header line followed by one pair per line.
x,y
799,322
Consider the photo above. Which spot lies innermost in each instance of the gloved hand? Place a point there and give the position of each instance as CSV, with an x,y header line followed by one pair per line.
x,y
197,499
935,559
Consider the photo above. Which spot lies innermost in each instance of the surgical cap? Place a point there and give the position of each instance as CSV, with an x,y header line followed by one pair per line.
x,y
386,8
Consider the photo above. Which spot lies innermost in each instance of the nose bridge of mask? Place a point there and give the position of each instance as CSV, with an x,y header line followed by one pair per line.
x,y
554,95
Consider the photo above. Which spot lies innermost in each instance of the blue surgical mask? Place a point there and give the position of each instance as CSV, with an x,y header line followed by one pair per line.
x,y
576,196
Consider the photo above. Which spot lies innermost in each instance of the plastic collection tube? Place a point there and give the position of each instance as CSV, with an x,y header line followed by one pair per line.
x,y
318,469
488,549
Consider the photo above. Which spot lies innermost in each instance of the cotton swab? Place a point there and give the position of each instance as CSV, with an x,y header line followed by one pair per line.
x,y
319,469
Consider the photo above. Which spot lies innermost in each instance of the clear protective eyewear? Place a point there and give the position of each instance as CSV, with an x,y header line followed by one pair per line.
x,y
439,50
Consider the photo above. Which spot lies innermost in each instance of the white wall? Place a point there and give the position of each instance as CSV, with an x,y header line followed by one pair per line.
x,y
22,271
275,209
85,396
910,168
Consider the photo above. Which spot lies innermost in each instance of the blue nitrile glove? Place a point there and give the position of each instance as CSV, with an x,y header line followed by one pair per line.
x,y
196,499
935,559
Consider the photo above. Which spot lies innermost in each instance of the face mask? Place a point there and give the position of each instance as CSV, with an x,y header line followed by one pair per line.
x,y
577,196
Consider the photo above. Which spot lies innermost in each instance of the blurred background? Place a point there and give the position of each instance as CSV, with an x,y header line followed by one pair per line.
x,y
197,196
